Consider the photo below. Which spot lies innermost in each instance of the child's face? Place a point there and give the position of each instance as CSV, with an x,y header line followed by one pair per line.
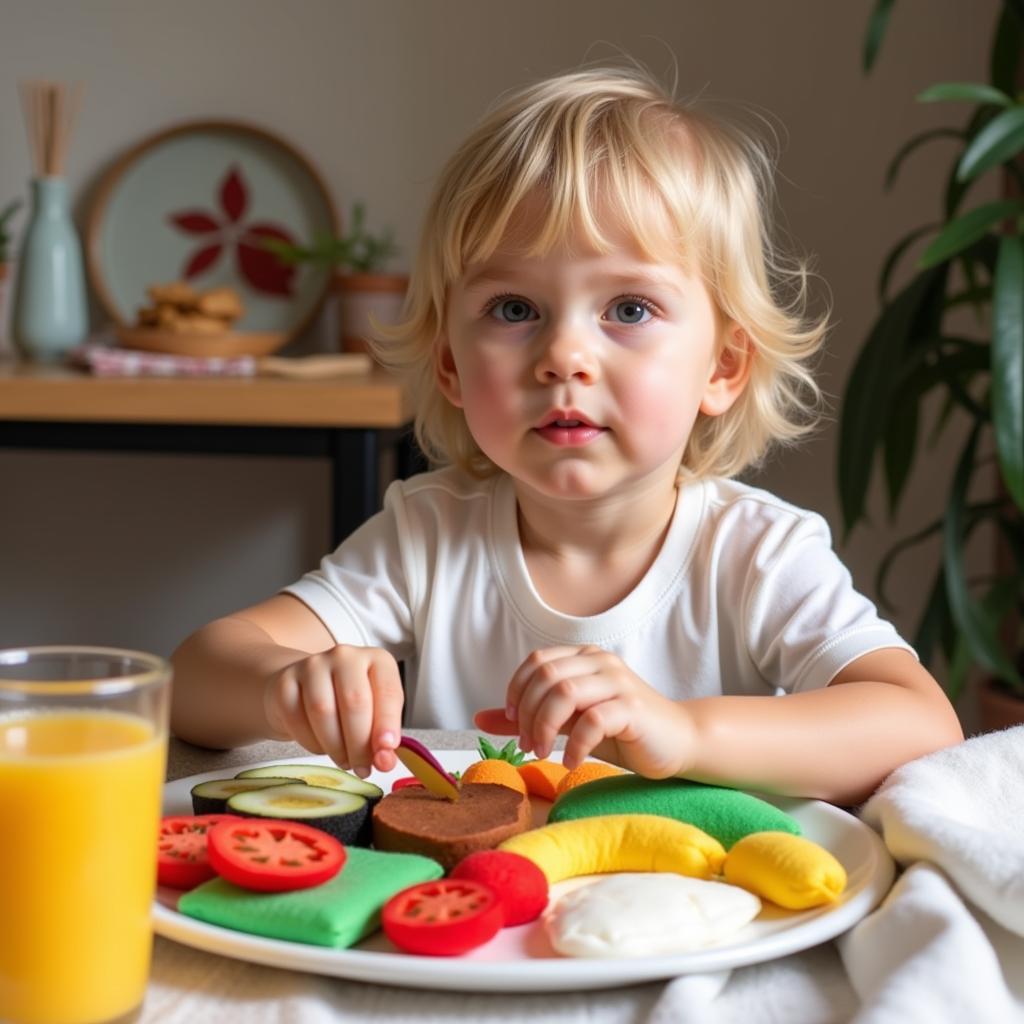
x,y
581,374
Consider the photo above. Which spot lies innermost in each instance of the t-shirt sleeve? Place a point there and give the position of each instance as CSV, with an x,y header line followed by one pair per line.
x,y
360,591
804,619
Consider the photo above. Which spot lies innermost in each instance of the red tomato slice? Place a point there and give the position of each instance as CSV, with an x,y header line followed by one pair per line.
x,y
443,918
408,780
274,856
181,859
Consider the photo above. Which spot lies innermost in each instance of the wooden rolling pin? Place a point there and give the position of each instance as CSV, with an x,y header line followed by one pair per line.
x,y
341,364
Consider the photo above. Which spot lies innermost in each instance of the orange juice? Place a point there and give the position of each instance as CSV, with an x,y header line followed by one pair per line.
x,y
79,811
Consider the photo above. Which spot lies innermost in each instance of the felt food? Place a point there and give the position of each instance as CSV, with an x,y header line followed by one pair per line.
x,y
497,767
182,859
338,913
335,800
492,772
619,842
789,870
647,915
426,769
345,816
212,797
414,820
726,814
542,777
519,883
326,776
586,772
444,918
273,856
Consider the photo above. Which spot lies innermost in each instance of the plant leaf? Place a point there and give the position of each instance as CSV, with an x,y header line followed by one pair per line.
x,y
978,624
958,667
900,443
962,232
865,407
877,25
934,620
1008,364
1007,44
1000,140
905,544
914,143
894,257
966,92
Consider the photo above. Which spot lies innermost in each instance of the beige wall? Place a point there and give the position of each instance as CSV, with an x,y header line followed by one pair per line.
x,y
139,550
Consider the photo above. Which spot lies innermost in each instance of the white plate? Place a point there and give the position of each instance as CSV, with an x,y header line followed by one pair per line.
x,y
520,959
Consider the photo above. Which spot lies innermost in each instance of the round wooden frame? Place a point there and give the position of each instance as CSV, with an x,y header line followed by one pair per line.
x,y
109,181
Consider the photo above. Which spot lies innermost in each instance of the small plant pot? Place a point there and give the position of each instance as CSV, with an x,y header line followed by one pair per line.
x,y
998,708
365,299
5,346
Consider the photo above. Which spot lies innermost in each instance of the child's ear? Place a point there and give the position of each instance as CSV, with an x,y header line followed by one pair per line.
x,y
447,373
731,373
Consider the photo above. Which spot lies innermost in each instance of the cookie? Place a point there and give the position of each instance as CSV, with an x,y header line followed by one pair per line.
x,y
222,303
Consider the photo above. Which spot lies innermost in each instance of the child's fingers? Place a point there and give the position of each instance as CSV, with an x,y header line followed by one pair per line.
x,y
388,698
569,697
321,712
291,712
601,721
354,695
561,675
494,720
530,666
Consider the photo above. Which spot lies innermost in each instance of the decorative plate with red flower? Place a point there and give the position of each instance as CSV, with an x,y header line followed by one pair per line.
x,y
197,203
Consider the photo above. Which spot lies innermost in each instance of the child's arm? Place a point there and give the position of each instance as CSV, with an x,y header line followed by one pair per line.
x,y
835,744
274,671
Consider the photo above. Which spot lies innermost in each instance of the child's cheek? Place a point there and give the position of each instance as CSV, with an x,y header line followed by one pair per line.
x,y
491,404
661,405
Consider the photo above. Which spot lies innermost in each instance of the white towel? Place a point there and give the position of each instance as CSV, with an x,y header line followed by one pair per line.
x,y
948,942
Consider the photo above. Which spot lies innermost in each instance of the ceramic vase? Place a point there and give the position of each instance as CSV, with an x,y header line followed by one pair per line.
x,y
50,312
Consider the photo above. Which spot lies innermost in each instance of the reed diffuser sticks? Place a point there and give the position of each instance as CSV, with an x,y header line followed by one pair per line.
x,y
50,109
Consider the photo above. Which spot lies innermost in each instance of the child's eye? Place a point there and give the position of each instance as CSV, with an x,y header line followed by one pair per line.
x,y
632,310
510,309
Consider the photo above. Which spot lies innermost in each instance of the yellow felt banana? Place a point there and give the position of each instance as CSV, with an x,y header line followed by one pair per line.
x,y
619,842
789,870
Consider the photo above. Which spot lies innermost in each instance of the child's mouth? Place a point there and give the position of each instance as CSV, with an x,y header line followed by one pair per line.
x,y
569,432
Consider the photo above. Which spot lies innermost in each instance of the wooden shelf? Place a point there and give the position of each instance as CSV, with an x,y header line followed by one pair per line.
x,y
30,391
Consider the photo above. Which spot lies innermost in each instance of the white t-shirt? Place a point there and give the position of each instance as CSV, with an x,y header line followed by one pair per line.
x,y
746,596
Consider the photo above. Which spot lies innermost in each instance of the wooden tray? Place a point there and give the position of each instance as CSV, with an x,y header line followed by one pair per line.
x,y
181,343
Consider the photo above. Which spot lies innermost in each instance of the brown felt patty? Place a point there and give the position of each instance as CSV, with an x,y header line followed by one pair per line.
x,y
413,820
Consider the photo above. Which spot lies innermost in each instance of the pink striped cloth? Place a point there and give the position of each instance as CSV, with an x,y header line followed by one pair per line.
x,y
110,361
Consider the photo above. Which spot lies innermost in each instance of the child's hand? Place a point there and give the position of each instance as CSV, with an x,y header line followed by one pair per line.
x,y
602,706
345,702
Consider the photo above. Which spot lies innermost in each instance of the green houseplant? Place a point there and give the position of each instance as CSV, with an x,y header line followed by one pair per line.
x,y
6,216
972,269
366,292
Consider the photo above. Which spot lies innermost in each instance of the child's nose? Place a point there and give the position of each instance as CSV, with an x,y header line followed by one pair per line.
x,y
567,353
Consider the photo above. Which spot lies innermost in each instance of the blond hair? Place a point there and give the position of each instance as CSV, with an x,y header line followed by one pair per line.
x,y
688,187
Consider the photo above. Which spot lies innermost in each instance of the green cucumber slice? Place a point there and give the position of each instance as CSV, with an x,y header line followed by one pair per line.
x,y
212,797
346,816
326,775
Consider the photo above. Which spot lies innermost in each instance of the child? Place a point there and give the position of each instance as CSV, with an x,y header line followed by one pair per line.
x,y
597,344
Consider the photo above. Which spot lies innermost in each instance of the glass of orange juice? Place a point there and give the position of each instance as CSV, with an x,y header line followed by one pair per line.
x,y
83,750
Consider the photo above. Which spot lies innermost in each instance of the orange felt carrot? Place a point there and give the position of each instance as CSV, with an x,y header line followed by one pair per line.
x,y
542,777
587,772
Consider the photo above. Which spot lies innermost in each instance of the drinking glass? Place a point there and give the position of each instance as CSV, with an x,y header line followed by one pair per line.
x,y
83,751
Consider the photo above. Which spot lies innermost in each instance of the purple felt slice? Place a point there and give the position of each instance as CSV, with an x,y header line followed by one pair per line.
x,y
422,763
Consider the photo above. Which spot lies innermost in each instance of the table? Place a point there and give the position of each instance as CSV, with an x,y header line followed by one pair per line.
x,y
192,987
352,421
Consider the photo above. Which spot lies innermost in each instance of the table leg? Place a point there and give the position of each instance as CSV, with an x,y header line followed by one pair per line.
x,y
355,488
